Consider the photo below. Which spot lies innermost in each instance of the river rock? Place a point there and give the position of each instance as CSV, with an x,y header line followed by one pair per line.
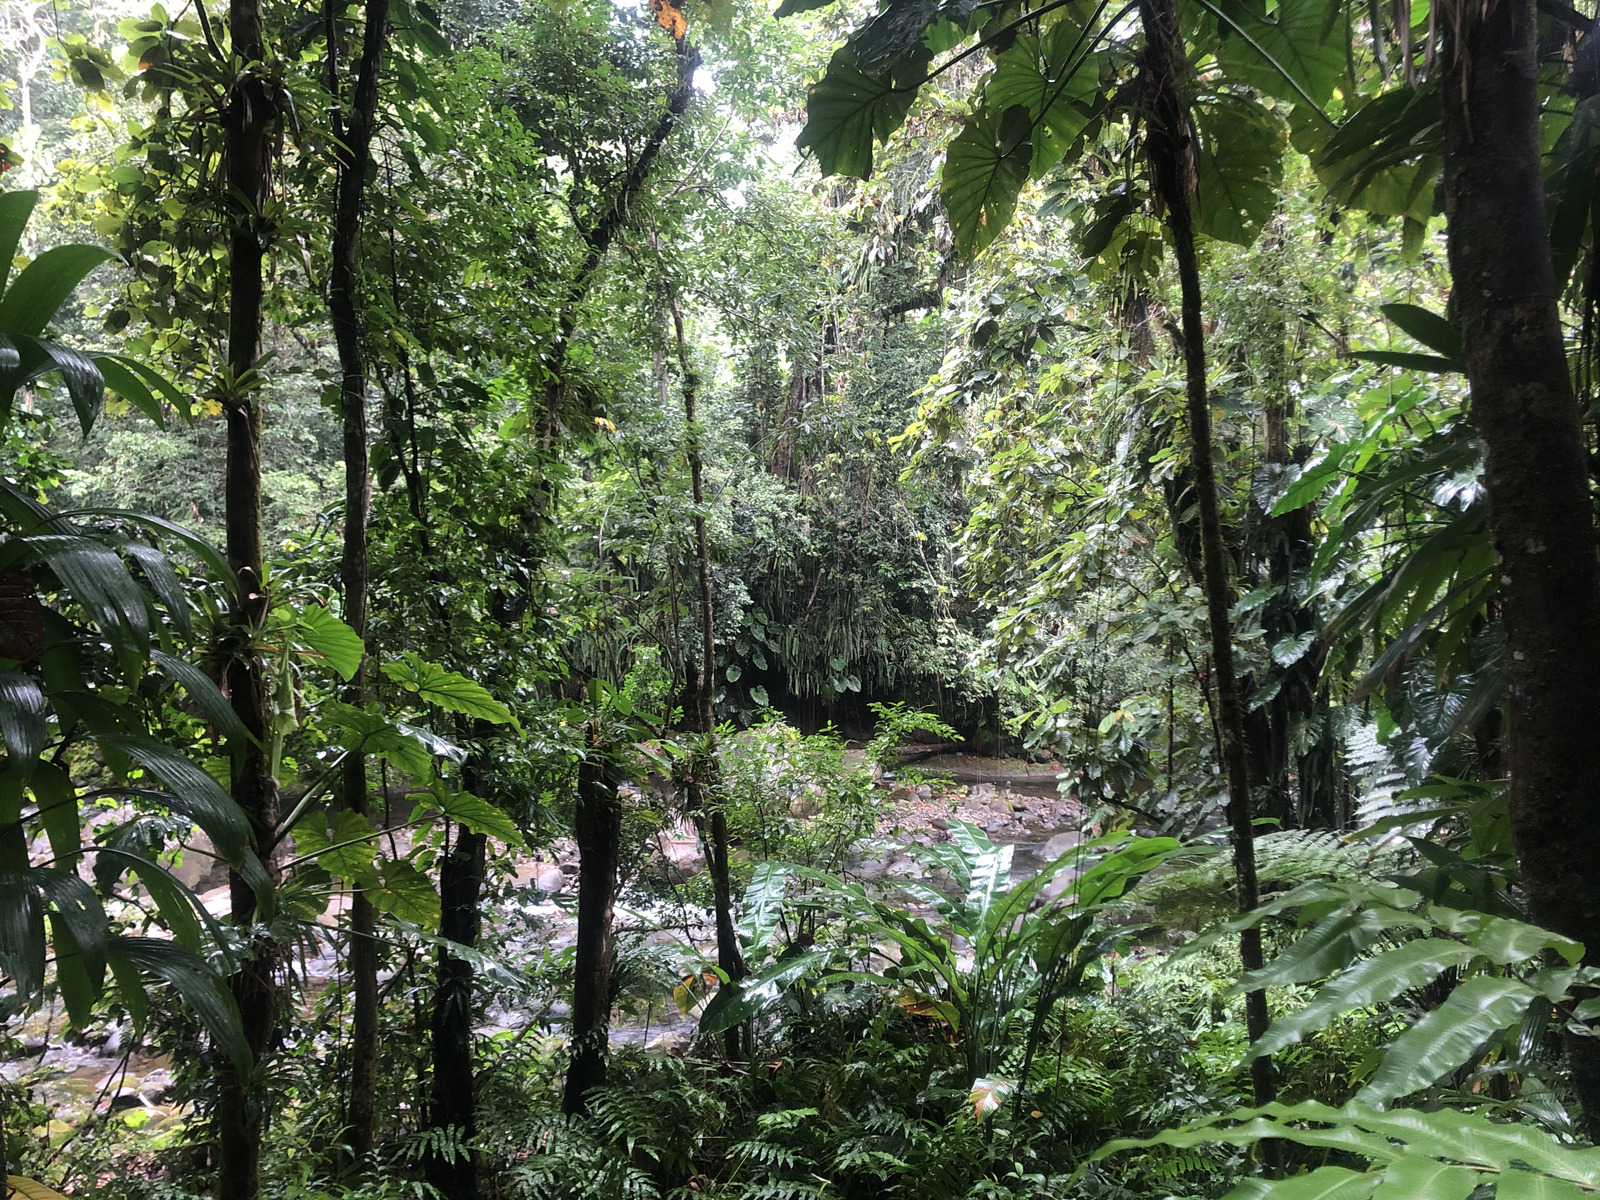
x,y
1061,843
939,823
549,880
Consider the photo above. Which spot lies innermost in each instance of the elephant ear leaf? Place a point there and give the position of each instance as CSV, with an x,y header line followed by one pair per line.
x,y
849,107
1290,56
984,170
1240,166
1050,77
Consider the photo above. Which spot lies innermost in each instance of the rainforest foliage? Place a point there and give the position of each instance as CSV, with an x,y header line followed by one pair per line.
x,y
547,548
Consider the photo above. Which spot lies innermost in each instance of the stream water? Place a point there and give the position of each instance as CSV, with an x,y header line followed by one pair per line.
x,y
1015,804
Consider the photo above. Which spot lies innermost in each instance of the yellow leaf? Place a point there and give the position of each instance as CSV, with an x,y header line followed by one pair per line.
x,y
19,1188
670,17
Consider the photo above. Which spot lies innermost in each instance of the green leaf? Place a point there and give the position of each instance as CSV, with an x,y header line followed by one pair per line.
x,y
1325,1183
348,852
1240,165
96,577
57,799
447,689
1330,946
1507,941
201,989
406,893
44,285
1407,361
1290,56
22,934
190,791
320,631
208,698
1517,1184
761,915
1426,1179
847,108
1429,328
1052,80
15,209
1375,980
736,1003
119,379
22,721
476,814
369,732
985,167
1448,1036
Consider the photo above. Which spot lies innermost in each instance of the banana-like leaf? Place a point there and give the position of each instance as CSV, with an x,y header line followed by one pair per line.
x,y
1429,328
990,874
161,578
201,988
1448,1037
29,1189
190,791
22,934
57,800
93,575
736,1003
1330,946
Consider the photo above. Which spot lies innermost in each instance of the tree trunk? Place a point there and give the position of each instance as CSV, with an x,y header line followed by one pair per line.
x,y
1172,174
598,831
454,1100
1534,472
250,116
709,816
356,154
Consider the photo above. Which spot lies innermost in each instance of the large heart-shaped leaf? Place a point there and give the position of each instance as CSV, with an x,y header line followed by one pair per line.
x,y
984,170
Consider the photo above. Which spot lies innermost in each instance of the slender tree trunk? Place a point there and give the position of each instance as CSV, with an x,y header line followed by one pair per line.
x,y
709,814
1172,175
250,116
453,1100
598,830
354,158
1540,512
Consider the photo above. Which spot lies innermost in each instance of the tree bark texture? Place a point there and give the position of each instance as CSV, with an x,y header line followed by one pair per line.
x,y
250,118
598,832
1170,153
354,159
453,1098
710,818
1540,514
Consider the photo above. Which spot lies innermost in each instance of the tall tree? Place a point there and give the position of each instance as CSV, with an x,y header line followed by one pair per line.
x,y
1168,144
1535,470
353,140
251,117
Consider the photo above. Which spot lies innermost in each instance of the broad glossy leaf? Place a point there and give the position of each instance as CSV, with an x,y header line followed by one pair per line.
x,y
119,379
988,1094
41,357
319,630
1448,1037
447,689
57,800
1240,166
1426,1179
22,721
737,1003
1517,1184
761,914
848,108
1329,946
407,893
201,989
476,814
44,285
368,732
347,852
22,934
97,578
985,167
30,1189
